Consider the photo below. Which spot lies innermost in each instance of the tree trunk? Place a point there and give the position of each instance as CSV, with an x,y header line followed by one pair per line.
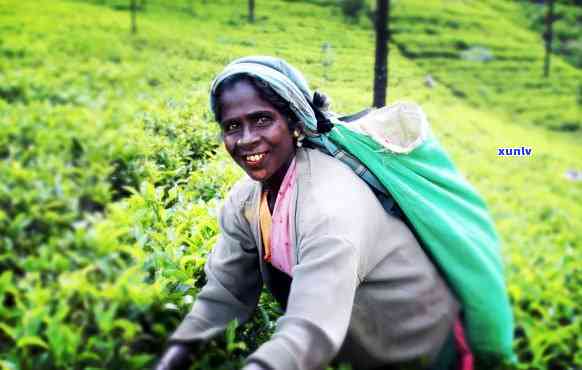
x,y
548,36
251,11
381,65
133,6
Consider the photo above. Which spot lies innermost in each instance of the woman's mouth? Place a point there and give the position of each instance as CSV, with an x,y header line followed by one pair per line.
x,y
253,160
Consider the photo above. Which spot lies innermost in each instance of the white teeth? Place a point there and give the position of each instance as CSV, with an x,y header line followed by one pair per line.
x,y
254,157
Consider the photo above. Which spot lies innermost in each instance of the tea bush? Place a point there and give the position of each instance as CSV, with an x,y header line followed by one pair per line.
x,y
111,172
352,8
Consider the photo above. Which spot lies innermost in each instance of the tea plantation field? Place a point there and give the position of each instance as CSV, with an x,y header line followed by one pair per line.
x,y
112,171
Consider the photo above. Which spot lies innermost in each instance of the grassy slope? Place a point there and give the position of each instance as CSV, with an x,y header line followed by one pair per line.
x,y
436,34
168,65
568,41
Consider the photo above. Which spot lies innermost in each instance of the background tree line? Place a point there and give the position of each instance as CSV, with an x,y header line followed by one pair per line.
x,y
543,16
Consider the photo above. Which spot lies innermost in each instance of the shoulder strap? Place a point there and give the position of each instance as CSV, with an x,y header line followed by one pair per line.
x,y
355,116
361,170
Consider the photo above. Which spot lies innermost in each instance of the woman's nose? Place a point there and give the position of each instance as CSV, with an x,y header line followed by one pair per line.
x,y
248,137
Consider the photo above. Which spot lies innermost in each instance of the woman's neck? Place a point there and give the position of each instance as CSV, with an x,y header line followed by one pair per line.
x,y
273,184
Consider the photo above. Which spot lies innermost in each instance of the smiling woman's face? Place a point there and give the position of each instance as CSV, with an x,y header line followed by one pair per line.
x,y
255,133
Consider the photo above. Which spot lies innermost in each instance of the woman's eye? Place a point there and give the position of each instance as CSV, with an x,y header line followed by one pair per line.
x,y
263,121
231,126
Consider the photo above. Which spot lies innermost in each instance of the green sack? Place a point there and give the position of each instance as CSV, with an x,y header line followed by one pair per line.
x,y
448,216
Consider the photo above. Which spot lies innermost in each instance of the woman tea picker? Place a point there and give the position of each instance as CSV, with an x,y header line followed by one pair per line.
x,y
354,282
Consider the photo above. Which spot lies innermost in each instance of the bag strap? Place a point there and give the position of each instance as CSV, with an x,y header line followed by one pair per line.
x,y
355,116
384,197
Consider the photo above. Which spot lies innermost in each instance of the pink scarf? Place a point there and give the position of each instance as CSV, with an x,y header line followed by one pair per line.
x,y
280,233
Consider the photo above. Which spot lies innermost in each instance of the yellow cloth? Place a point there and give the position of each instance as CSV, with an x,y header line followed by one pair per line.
x,y
265,224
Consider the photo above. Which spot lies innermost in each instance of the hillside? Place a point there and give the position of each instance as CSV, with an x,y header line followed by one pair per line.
x,y
482,55
111,168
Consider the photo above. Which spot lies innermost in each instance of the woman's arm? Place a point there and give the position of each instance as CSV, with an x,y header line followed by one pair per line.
x,y
233,281
176,357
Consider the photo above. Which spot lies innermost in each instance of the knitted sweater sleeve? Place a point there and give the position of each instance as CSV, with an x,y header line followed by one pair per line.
x,y
233,281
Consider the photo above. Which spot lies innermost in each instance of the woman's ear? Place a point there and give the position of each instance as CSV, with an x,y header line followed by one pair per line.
x,y
298,137
291,123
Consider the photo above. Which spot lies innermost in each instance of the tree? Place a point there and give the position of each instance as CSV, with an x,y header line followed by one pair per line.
x,y
251,11
381,22
133,9
548,36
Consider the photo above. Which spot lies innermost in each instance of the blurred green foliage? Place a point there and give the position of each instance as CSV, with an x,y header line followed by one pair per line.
x,y
478,51
567,25
111,169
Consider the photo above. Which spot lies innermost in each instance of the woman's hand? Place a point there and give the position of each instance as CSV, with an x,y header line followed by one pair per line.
x,y
253,366
176,357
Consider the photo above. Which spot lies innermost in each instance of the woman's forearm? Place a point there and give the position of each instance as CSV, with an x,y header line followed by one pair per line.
x,y
176,357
